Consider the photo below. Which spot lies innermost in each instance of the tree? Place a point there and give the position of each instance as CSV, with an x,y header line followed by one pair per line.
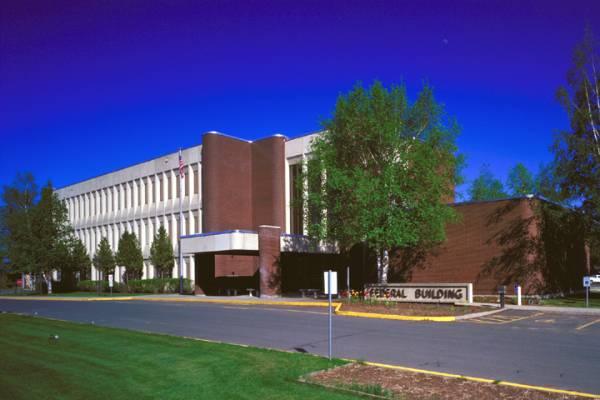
x,y
80,260
161,253
104,259
16,222
130,255
547,184
379,172
51,233
577,150
520,181
486,186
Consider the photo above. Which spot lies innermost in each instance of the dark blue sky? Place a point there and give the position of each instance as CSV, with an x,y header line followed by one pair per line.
x,y
91,86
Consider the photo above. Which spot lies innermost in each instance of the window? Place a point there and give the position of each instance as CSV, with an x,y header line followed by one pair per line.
x,y
187,226
130,199
178,186
187,184
197,180
169,186
160,187
138,185
296,202
148,191
197,222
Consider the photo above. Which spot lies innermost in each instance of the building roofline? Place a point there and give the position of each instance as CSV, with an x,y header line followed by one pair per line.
x,y
183,148
524,197
128,166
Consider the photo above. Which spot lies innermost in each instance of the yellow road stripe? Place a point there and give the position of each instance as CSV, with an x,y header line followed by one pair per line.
x,y
588,324
485,380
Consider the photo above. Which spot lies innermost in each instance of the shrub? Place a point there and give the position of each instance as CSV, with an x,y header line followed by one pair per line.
x,y
157,285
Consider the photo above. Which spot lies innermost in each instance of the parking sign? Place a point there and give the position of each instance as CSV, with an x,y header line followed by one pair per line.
x,y
586,281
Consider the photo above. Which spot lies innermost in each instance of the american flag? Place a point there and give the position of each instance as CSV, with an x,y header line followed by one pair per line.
x,y
181,165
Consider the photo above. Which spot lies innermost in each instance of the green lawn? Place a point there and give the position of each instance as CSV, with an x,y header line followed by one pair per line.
x,y
89,362
94,294
573,301
76,294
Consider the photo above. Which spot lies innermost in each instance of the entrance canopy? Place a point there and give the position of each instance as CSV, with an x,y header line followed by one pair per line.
x,y
245,241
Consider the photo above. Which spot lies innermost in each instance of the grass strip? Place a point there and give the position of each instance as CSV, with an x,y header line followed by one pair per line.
x,y
90,362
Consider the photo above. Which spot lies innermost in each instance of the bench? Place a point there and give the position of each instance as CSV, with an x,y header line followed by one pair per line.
x,y
305,292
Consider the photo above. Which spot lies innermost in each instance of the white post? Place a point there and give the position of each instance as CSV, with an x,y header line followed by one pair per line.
x,y
519,303
329,296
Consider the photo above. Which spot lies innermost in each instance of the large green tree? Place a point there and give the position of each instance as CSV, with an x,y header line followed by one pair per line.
x,y
486,186
520,181
104,259
577,150
161,253
16,220
52,234
382,172
130,255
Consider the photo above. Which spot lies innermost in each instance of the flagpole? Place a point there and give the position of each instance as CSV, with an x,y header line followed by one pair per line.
x,y
181,183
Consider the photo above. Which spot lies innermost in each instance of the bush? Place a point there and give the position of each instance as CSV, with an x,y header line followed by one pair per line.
x,y
157,285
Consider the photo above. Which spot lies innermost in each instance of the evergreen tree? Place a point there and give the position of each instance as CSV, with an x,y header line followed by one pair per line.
x,y
520,181
51,234
161,253
130,255
381,170
16,222
486,186
547,184
80,259
104,259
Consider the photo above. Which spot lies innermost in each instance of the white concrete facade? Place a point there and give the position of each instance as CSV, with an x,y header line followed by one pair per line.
x,y
145,196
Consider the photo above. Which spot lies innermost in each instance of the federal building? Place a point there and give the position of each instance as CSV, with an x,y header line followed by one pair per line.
x,y
243,226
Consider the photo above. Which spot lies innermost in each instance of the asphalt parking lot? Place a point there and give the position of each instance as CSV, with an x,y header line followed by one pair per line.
x,y
529,347
540,320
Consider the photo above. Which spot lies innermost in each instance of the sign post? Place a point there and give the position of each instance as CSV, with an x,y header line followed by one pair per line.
x,y
348,280
330,279
586,284
110,283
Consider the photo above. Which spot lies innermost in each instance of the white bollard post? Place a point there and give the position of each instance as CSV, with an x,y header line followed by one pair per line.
x,y
519,295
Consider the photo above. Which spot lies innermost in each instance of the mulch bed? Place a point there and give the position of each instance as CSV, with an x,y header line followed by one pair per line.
x,y
418,309
421,386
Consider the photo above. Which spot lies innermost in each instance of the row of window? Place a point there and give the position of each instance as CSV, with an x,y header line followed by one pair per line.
x,y
91,237
135,193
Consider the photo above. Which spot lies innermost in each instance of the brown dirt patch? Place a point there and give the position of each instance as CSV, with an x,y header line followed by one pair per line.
x,y
397,384
413,309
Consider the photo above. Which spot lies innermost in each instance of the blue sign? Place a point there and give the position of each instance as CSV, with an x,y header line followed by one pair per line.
x,y
586,281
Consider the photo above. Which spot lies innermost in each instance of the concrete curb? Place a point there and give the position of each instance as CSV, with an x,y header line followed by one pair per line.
x,y
479,314
561,310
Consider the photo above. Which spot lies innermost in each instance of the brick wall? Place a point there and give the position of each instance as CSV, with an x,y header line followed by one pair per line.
x,y
480,237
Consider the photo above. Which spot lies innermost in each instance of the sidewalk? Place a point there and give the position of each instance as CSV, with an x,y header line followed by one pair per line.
x,y
554,309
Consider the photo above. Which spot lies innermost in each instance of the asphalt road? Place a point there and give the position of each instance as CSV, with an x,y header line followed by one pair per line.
x,y
526,347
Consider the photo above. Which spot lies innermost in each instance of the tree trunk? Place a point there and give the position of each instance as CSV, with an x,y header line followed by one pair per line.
x,y
383,266
48,279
